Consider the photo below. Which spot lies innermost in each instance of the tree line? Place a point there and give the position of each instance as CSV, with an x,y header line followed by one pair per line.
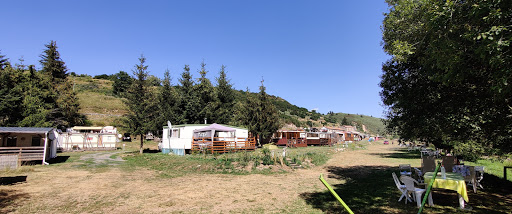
x,y
45,98
192,101
38,98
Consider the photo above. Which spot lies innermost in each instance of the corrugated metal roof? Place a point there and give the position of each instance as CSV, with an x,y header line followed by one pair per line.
x,y
25,130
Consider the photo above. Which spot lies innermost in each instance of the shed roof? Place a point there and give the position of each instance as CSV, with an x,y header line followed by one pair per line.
x,y
38,130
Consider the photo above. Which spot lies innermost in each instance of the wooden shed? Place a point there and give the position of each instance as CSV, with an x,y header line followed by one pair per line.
x,y
29,143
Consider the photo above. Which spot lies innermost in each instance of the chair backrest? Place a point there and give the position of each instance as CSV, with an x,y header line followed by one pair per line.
x,y
397,182
471,175
448,162
428,164
409,182
405,167
479,169
418,171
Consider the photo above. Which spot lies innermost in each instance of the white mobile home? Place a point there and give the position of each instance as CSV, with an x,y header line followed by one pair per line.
x,y
89,138
179,139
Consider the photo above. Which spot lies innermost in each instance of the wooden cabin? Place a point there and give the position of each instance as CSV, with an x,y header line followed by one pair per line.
x,y
296,138
29,143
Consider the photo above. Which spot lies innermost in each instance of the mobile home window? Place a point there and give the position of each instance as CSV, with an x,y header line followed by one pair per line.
x,y
11,141
36,141
175,133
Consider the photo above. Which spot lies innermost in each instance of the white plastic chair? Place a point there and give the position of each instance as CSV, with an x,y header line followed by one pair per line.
x,y
417,192
479,171
420,175
401,188
405,169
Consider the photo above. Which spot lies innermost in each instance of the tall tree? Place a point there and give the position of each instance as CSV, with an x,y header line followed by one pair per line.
x,y
138,102
52,63
225,97
206,94
259,115
4,62
167,102
189,100
11,96
67,106
448,81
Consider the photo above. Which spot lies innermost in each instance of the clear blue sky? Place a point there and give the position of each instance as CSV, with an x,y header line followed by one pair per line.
x,y
323,55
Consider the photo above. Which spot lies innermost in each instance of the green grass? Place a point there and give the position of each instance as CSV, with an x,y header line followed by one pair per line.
x,y
370,189
492,167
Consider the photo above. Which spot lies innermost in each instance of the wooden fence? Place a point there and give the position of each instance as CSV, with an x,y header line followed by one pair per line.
x,y
24,153
8,162
223,144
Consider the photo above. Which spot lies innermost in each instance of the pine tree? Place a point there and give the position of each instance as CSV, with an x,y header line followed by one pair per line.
x,y
206,95
4,62
11,96
225,98
138,102
267,116
65,113
189,106
168,102
258,114
53,64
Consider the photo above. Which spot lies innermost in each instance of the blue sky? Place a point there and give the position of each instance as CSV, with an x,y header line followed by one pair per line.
x,y
323,55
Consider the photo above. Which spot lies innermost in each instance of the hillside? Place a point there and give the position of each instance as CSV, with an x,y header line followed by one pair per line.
x,y
102,108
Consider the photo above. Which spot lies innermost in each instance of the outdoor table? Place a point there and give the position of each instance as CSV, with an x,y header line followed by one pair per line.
x,y
453,181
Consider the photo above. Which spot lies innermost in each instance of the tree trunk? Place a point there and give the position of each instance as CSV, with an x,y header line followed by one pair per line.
x,y
141,143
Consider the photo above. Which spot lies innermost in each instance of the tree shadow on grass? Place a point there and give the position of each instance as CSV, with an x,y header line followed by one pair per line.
x,y
8,199
12,180
371,189
58,159
400,154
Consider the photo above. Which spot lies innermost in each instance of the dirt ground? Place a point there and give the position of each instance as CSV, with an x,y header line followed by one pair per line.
x,y
69,189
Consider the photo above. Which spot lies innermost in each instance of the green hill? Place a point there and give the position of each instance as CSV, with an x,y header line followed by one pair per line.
x,y
102,108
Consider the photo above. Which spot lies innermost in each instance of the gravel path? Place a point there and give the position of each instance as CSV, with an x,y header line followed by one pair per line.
x,y
103,158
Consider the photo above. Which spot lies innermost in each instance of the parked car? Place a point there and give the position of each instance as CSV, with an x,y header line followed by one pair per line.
x,y
126,137
386,142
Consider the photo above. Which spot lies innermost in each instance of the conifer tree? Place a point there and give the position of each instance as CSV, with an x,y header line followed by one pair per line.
x,y
189,106
225,98
267,116
138,103
259,115
53,64
167,102
10,95
206,95
65,113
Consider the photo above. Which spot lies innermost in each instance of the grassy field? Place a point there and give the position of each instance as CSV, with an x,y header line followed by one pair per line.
x,y
124,181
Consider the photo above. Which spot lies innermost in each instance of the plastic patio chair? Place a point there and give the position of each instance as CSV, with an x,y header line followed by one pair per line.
x,y
419,174
417,192
479,174
405,169
449,162
401,188
471,178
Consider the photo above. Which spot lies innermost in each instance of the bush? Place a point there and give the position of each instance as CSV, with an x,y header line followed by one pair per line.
x,y
470,151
